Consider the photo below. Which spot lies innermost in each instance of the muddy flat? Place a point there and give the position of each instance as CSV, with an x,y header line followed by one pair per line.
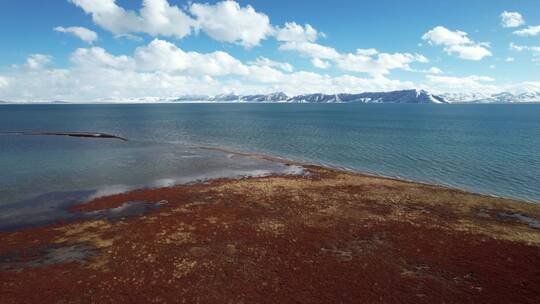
x,y
325,237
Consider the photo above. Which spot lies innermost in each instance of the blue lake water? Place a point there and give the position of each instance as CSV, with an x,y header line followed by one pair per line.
x,y
492,149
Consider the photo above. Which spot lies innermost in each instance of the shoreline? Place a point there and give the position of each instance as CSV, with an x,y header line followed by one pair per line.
x,y
283,160
327,236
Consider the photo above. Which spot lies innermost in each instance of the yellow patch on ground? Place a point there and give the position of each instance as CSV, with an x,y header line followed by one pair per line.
x,y
501,231
271,226
86,232
178,237
183,267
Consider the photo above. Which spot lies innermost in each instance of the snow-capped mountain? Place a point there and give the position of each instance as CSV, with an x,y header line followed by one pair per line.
x,y
273,97
403,96
504,97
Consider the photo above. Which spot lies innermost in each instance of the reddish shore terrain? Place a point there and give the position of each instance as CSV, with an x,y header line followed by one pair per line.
x,y
327,237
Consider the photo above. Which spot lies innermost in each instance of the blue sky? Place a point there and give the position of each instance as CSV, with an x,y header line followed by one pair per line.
x,y
99,49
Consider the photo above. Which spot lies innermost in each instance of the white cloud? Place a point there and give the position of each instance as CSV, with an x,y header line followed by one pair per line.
x,y
224,21
526,86
162,55
263,61
457,42
442,36
469,52
264,74
161,69
83,33
521,48
160,18
368,61
156,17
119,85
319,63
529,31
227,21
510,59
4,82
372,62
472,83
310,49
434,70
296,33
97,57
511,19
37,61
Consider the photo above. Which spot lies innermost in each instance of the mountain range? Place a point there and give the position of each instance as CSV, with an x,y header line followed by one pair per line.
x,y
504,97
401,96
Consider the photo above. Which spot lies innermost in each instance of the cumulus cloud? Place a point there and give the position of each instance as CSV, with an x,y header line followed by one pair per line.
x,y
529,31
263,61
369,61
432,70
4,82
227,21
442,36
97,57
293,32
457,42
162,69
469,52
372,62
511,19
264,74
82,33
472,83
310,49
156,17
162,55
120,85
37,61
319,63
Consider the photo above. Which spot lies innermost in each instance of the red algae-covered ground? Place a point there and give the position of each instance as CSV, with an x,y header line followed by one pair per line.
x,y
328,237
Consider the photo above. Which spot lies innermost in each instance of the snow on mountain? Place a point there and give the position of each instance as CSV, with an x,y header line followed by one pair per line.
x,y
463,97
528,97
314,98
504,97
273,97
403,96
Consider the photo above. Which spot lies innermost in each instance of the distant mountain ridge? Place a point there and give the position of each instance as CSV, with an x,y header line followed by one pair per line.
x,y
504,97
402,96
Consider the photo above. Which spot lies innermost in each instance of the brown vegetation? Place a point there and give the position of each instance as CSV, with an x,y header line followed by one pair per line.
x,y
328,237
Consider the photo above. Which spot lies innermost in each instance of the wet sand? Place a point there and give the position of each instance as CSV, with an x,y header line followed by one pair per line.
x,y
325,237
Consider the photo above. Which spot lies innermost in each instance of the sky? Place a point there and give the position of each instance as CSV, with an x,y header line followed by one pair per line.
x,y
100,50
